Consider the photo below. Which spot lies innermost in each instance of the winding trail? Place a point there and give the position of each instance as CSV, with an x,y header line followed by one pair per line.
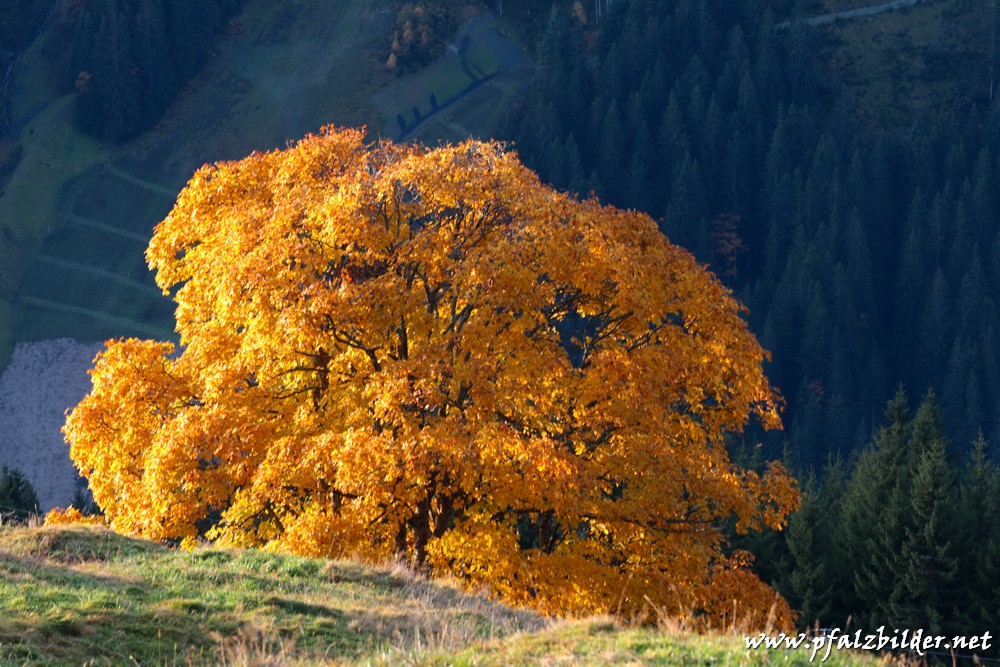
x,y
824,19
123,323
104,227
100,273
142,183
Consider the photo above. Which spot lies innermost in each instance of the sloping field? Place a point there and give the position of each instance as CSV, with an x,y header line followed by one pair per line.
x,y
53,152
90,269
282,70
464,93
933,57
84,596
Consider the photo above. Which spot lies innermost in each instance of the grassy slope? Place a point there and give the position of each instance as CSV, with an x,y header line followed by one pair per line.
x,y
77,213
473,83
80,595
933,57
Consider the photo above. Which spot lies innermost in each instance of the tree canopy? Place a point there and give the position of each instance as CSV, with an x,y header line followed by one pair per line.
x,y
395,351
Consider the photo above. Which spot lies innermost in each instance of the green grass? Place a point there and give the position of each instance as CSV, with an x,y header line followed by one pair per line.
x,y
91,269
478,114
55,152
69,595
83,595
603,642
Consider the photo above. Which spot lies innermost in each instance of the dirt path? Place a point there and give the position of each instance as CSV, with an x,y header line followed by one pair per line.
x,y
103,227
142,183
848,14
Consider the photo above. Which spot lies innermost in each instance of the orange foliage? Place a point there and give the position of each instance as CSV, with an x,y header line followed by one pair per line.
x,y
426,353
58,516
738,599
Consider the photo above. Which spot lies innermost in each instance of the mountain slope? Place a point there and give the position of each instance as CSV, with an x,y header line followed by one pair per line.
x,y
936,57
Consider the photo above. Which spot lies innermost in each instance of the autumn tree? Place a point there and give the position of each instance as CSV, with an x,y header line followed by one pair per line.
x,y
394,351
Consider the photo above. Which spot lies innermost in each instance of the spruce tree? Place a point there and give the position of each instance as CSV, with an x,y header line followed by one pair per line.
x,y
876,516
811,583
18,500
978,542
925,592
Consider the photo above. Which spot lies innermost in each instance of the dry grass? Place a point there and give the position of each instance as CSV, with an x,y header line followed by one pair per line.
x,y
74,594
83,595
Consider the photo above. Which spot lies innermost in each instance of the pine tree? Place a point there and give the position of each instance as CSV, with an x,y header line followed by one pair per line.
x,y
18,500
640,189
810,583
152,48
611,159
685,218
978,541
925,593
935,326
673,141
870,539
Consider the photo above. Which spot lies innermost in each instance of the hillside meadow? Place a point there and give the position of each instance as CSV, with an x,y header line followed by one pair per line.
x,y
82,595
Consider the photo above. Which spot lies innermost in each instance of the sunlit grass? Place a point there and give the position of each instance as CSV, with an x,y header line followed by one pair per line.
x,y
73,594
83,595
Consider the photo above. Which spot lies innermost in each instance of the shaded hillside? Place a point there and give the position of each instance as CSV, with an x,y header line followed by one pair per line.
x,y
127,61
87,208
99,202
936,57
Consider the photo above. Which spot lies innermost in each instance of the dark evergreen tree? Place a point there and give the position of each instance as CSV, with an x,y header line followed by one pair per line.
x,y
813,582
641,189
925,593
128,60
871,539
685,217
18,500
611,161
977,543
935,326
152,48
897,228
